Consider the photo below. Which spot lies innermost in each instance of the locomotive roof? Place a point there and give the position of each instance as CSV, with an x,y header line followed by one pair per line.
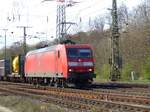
x,y
41,50
55,46
77,45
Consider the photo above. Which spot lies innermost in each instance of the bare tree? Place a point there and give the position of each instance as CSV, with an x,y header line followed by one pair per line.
x,y
98,24
123,16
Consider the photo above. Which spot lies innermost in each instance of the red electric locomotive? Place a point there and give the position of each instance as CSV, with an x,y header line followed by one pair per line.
x,y
60,65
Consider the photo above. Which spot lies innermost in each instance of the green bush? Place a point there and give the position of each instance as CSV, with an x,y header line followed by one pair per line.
x,y
146,69
126,72
105,72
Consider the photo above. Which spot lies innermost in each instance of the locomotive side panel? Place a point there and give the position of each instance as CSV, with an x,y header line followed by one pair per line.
x,y
40,64
47,63
30,64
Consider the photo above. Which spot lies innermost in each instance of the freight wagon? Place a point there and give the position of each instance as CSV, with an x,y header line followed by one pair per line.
x,y
4,68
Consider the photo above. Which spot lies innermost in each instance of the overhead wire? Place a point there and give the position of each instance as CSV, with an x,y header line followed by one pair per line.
x,y
83,9
77,16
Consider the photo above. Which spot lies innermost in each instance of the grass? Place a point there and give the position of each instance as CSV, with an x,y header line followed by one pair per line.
x,y
140,81
22,104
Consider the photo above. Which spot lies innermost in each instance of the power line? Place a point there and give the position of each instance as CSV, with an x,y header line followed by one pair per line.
x,y
90,6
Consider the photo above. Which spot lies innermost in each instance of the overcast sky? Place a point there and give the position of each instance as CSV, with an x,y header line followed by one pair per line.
x,y
34,13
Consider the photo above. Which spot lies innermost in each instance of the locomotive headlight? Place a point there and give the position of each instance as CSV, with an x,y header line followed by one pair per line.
x,y
90,70
88,64
73,63
70,70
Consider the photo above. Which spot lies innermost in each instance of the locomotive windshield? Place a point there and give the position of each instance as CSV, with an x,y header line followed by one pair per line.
x,y
79,52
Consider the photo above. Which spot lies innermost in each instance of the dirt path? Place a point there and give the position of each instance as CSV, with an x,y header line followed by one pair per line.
x,y
4,109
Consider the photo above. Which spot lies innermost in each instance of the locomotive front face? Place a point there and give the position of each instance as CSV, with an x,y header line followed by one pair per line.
x,y
80,63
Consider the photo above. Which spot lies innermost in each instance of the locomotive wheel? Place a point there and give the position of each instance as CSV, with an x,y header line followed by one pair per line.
x,y
56,83
59,83
63,83
51,83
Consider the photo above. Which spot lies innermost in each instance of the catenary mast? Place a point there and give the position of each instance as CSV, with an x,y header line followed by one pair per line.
x,y
61,24
61,21
115,60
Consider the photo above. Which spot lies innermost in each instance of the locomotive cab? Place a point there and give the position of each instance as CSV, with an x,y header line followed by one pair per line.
x,y
80,64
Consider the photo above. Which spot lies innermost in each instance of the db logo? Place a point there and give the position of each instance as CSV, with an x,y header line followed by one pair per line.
x,y
79,60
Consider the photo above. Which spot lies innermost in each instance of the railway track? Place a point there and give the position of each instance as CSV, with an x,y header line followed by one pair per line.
x,y
128,91
81,99
120,85
89,95
136,92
